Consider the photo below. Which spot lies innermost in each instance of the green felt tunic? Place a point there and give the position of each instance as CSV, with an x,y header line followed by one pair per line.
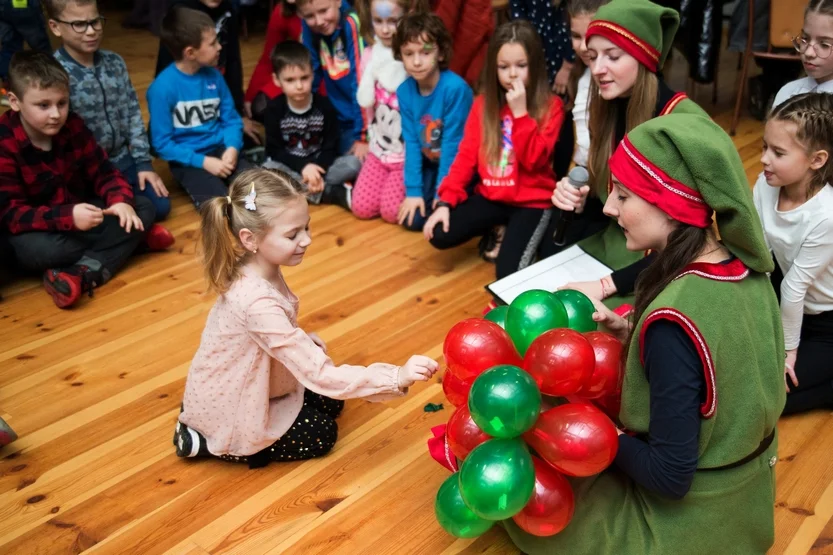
x,y
735,319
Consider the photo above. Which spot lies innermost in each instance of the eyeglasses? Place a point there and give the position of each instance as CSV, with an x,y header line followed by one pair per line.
x,y
822,49
81,26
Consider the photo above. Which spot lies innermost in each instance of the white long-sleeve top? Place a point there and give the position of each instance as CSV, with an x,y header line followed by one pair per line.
x,y
581,119
802,241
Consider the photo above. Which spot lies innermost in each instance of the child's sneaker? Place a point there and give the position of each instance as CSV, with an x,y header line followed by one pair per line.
x,y
7,435
67,285
340,195
189,443
158,238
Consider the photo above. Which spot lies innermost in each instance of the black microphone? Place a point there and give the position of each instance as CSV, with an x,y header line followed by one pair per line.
x,y
578,178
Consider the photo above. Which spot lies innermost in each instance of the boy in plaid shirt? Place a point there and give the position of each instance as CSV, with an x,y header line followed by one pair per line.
x,y
68,211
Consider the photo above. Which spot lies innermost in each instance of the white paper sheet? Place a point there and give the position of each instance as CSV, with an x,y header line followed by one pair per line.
x,y
572,264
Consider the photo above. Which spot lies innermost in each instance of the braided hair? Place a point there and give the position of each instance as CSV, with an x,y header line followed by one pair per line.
x,y
812,114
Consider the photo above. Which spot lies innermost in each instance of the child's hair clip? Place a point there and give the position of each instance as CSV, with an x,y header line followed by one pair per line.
x,y
250,199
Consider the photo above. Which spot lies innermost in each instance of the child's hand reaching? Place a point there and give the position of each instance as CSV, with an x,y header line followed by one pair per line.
x,y
516,98
86,216
312,174
128,219
418,369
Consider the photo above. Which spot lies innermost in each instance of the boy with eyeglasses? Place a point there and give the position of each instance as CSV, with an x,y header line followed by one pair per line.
x,y
102,94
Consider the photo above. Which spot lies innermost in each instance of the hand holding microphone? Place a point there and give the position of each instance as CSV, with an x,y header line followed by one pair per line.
x,y
569,200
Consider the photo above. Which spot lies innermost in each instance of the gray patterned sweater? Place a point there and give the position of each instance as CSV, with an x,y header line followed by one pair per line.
x,y
105,98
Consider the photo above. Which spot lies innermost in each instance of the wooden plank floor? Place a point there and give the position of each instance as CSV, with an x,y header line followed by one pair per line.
x,y
94,393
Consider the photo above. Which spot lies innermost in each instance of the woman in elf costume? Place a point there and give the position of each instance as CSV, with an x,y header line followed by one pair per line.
x,y
703,379
628,42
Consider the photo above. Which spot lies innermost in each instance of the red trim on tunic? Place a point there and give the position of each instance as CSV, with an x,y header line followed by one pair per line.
x,y
644,53
644,178
709,406
733,271
676,99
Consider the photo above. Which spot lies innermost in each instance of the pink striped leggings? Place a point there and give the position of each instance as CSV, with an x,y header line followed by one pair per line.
x,y
379,190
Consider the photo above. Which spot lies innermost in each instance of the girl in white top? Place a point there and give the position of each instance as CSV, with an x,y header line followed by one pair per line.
x,y
815,43
794,199
578,89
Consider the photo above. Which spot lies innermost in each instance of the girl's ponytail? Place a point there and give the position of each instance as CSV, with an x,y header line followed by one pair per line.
x,y
252,202
219,248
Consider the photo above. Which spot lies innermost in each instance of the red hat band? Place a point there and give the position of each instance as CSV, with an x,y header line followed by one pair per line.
x,y
643,178
644,53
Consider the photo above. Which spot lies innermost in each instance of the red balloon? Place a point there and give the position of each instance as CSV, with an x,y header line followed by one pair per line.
x,y
604,380
455,389
577,439
475,345
552,505
463,434
560,360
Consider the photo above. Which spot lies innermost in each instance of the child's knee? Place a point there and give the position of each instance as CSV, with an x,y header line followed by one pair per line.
x,y
163,208
390,214
440,239
146,210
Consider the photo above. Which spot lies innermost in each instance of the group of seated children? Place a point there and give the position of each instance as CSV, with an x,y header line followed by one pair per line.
x,y
413,146
78,195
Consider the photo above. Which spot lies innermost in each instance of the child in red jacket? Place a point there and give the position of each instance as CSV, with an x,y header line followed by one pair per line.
x,y
509,139
284,24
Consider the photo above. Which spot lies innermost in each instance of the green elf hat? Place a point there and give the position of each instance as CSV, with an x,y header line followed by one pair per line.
x,y
687,166
639,27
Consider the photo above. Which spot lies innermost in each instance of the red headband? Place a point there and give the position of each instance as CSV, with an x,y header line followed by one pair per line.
x,y
645,179
644,53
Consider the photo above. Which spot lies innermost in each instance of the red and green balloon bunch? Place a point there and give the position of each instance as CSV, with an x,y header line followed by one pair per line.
x,y
497,392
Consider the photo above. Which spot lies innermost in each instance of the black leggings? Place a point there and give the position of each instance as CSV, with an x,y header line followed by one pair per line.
x,y
313,434
477,215
814,362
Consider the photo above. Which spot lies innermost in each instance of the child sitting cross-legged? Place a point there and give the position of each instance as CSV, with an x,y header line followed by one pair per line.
x,y
68,211
193,122
302,130
102,94
260,388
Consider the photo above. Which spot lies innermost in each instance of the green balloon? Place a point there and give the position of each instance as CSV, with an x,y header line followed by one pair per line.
x,y
498,315
497,478
453,514
504,401
579,309
531,314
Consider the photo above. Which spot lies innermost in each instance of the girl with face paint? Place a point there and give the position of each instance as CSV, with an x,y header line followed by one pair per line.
x,y
380,189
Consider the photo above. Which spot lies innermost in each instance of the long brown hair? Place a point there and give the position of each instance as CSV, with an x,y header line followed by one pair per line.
x,y
222,219
812,114
604,115
538,95
684,245
363,8
576,8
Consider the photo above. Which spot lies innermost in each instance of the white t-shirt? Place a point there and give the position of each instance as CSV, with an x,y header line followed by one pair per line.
x,y
581,119
802,241
800,86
